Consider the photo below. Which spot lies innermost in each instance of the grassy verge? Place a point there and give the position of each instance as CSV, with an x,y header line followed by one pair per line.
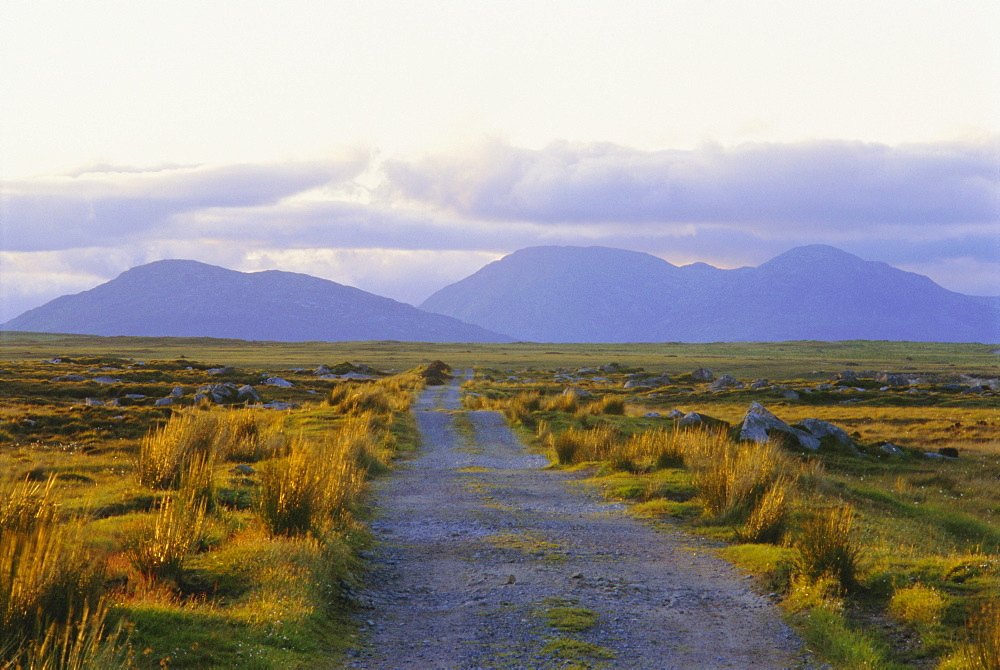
x,y
194,534
879,560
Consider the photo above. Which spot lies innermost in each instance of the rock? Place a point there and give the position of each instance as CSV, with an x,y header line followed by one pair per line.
x,y
846,376
70,378
891,449
135,396
280,405
105,380
703,375
690,419
948,452
164,402
892,379
584,371
758,384
511,579
824,387
823,429
930,455
222,371
723,382
577,391
322,370
92,402
759,424
651,415
242,469
219,393
176,392
247,393
636,384
675,414
789,394
279,382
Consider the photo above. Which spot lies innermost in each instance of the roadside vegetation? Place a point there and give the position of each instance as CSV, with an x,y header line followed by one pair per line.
x,y
194,534
201,532
880,557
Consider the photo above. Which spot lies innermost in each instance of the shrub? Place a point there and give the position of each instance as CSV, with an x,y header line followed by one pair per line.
x,y
52,608
983,653
164,453
577,445
26,504
827,547
306,491
608,405
734,479
769,518
160,546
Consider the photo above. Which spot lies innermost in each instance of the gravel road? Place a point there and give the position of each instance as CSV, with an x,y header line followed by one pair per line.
x,y
478,541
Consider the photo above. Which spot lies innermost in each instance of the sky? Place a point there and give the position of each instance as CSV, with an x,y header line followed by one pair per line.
x,y
400,146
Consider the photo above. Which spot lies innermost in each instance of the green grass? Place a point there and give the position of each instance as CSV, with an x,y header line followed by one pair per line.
x,y
928,529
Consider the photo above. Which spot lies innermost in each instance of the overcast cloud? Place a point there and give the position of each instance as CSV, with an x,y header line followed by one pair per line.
x,y
407,228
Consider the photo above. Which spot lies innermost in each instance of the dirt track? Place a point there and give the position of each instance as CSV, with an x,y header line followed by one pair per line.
x,y
478,541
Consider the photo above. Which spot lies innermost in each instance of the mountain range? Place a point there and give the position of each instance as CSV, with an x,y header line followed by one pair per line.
x,y
190,299
542,294
817,292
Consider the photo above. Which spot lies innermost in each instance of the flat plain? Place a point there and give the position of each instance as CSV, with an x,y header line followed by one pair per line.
x,y
78,415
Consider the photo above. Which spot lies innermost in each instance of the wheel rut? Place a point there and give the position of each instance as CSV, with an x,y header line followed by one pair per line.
x,y
477,541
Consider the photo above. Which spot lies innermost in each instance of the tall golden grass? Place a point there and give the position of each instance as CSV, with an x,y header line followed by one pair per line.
x,y
310,489
164,453
827,546
159,547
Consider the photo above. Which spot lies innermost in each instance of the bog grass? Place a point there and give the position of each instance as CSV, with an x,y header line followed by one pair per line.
x,y
926,530
120,549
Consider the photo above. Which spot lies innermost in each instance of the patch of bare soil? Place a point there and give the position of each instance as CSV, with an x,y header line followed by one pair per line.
x,y
482,550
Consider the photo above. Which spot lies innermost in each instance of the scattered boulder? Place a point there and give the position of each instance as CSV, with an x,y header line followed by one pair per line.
x,y
789,394
280,405
70,378
759,384
824,429
759,425
891,449
577,391
105,380
948,452
164,402
651,415
703,375
848,377
675,414
322,370
176,392
227,370
723,382
247,393
892,379
93,402
242,469
279,382
637,383
933,456
218,393
690,419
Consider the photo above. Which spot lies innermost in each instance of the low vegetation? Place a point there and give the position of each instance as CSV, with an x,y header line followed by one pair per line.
x,y
881,557
192,534
199,534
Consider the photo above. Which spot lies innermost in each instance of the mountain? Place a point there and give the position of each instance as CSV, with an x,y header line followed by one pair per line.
x,y
190,299
595,294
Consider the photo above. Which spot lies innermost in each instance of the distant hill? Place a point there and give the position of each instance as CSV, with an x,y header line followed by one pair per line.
x,y
596,294
190,299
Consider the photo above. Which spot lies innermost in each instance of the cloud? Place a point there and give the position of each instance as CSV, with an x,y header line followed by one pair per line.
x,y
114,206
406,228
802,186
